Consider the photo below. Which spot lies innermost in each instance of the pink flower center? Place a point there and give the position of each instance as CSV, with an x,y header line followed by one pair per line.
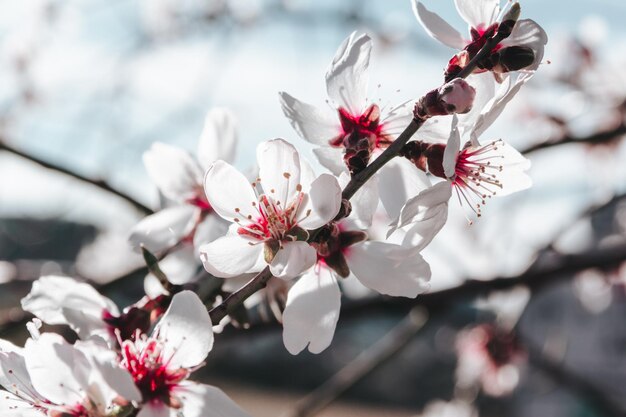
x,y
150,371
201,202
274,217
476,174
356,127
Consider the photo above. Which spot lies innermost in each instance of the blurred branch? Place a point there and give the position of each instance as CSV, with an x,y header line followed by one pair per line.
x,y
594,139
573,382
536,277
364,364
101,184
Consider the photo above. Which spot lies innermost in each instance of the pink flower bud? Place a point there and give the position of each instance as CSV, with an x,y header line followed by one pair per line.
x,y
458,96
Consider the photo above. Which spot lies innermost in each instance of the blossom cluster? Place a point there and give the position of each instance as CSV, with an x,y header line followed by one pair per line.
x,y
382,199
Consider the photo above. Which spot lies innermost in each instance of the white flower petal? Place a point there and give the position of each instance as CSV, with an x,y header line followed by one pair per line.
x,y
347,78
218,139
438,28
57,370
199,400
186,331
179,266
364,202
451,153
323,202
12,406
399,180
14,377
496,106
62,300
479,14
279,169
209,229
389,269
528,33
331,159
312,124
312,311
156,409
293,259
164,229
395,120
174,171
418,235
424,206
227,190
230,256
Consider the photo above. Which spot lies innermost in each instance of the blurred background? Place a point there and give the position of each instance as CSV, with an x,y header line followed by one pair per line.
x,y
87,86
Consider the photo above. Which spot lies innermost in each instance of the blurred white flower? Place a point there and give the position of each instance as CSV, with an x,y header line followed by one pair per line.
x,y
179,178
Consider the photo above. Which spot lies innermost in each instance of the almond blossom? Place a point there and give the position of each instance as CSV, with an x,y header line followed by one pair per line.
x,y
161,363
523,49
51,377
314,301
358,127
63,300
270,216
179,178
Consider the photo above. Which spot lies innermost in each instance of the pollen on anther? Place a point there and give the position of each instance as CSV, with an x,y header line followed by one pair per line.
x,y
299,187
286,175
237,210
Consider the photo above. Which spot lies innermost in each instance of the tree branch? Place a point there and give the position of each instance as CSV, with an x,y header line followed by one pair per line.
x,y
364,364
101,184
598,138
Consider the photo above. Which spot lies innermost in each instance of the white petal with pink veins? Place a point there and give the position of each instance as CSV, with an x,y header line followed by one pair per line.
x,y
438,28
311,123
293,259
478,13
218,139
177,175
199,400
164,229
331,159
347,78
186,331
229,192
279,169
323,203
528,33
230,256
389,269
312,311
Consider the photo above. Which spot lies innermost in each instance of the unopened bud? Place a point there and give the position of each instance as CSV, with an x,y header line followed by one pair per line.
x,y
509,20
456,96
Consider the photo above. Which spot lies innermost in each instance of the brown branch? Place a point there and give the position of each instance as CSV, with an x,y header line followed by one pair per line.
x,y
598,138
367,362
101,184
255,284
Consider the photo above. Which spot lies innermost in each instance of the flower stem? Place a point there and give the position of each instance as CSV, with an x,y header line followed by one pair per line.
x,y
95,182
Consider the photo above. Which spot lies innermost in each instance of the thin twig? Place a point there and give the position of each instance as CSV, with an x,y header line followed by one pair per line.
x,y
255,284
597,138
364,364
101,184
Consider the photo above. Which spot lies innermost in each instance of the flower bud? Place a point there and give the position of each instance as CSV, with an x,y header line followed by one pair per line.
x,y
509,20
456,96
